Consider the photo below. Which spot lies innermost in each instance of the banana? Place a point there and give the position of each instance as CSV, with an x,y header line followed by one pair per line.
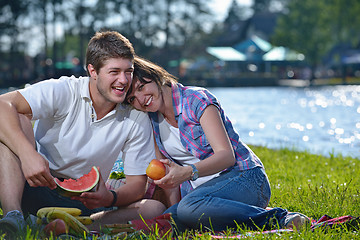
x,y
70,220
84,220
42,212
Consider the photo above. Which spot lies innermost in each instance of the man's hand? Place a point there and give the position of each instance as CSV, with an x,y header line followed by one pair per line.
x,y
36,170
100,198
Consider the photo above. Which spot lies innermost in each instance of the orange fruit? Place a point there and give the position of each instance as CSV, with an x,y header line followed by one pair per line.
x,y
156,169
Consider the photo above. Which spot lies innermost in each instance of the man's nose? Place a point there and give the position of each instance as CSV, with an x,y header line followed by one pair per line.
x,y
124,78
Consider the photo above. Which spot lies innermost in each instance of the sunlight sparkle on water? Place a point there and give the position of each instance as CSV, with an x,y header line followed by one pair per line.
x,y
297,126
305,138
339,131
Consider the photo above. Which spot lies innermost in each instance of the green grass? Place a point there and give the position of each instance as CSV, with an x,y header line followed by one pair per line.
x,y
312,184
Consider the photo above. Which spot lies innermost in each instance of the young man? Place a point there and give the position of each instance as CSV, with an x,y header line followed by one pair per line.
x,y
80,123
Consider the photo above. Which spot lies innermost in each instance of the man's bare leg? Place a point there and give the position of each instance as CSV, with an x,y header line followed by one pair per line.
x,y
146,208
11,177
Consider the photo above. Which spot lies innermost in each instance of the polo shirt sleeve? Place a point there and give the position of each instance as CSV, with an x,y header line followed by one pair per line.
x,y
139,148
48,98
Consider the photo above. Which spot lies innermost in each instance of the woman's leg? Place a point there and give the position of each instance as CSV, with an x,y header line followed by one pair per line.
x,y
232,199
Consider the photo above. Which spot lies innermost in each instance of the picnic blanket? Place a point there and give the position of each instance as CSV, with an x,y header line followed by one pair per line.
x,y
324,223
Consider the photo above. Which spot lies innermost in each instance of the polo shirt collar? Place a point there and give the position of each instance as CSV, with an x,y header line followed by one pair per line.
x,y
84,91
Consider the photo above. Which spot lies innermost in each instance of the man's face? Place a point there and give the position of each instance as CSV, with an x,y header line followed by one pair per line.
x,y
112,81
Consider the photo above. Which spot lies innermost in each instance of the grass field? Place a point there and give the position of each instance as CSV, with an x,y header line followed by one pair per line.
x,y
311,184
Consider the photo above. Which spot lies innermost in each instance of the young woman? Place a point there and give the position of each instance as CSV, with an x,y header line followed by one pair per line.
x,y
223,183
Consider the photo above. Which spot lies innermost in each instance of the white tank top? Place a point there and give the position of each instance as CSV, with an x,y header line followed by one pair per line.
x,y
170,138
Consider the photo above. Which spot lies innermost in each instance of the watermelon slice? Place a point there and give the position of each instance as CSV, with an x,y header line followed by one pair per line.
x,y
74,187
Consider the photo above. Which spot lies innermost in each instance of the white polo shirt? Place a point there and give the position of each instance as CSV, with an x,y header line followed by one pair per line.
x,y
72,140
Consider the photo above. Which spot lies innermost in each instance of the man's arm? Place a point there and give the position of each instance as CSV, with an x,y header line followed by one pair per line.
x,y
132,191
35,167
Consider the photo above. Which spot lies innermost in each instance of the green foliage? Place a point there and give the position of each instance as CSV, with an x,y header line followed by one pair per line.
x,y
312,184
314,27
304,29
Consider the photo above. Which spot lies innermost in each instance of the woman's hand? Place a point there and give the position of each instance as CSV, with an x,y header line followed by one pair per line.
x,y
176,175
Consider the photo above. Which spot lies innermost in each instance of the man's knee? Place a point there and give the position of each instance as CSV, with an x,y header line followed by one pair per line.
x,y
150,208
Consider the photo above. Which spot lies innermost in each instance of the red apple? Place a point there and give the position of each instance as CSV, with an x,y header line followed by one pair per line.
x,y
57,227
156,169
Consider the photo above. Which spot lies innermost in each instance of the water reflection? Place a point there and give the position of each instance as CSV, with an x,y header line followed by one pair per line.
x,y
322,120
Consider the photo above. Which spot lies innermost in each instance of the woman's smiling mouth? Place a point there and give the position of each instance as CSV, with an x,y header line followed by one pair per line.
x,y
148,101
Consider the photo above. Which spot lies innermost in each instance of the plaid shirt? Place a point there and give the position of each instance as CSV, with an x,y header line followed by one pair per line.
x,y
189,104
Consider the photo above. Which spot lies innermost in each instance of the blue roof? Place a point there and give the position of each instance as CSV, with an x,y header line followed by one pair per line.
x,y
283,54
254,42
226,53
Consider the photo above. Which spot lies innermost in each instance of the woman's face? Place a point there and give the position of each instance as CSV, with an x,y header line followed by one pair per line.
x,y
145,97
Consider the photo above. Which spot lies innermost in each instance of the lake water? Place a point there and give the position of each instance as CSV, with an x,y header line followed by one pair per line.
x,y
323,120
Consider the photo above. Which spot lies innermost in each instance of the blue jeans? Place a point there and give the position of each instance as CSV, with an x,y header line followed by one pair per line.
x,y
234,198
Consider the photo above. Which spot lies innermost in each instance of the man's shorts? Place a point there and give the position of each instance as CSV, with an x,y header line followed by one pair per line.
x,y
35,198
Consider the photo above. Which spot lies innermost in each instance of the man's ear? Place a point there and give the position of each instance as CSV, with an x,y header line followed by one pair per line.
x,y
92,71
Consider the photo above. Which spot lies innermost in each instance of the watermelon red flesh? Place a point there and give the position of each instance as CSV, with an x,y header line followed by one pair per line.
x,y
82,184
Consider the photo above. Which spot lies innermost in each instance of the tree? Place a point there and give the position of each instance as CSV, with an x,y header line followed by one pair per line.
x,y
160,28
12,13
261,6
315,27
304,29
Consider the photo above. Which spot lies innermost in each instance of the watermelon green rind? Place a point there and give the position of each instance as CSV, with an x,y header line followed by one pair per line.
x,y
74,187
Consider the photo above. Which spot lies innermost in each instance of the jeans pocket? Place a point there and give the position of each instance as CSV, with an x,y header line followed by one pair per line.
x,y
260,186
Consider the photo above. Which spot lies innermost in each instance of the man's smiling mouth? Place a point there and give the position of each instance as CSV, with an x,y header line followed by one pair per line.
x,y
119,88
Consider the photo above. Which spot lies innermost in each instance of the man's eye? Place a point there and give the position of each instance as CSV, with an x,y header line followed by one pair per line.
x,y
140,87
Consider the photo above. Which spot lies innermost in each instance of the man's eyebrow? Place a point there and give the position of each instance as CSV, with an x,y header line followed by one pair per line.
x,y
117,68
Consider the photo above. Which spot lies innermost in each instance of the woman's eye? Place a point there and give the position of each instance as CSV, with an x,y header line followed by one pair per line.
x,y
130,99
140,87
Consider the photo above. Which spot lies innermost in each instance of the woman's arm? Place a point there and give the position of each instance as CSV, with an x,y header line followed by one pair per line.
x,y
218,138
172,195
222,158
